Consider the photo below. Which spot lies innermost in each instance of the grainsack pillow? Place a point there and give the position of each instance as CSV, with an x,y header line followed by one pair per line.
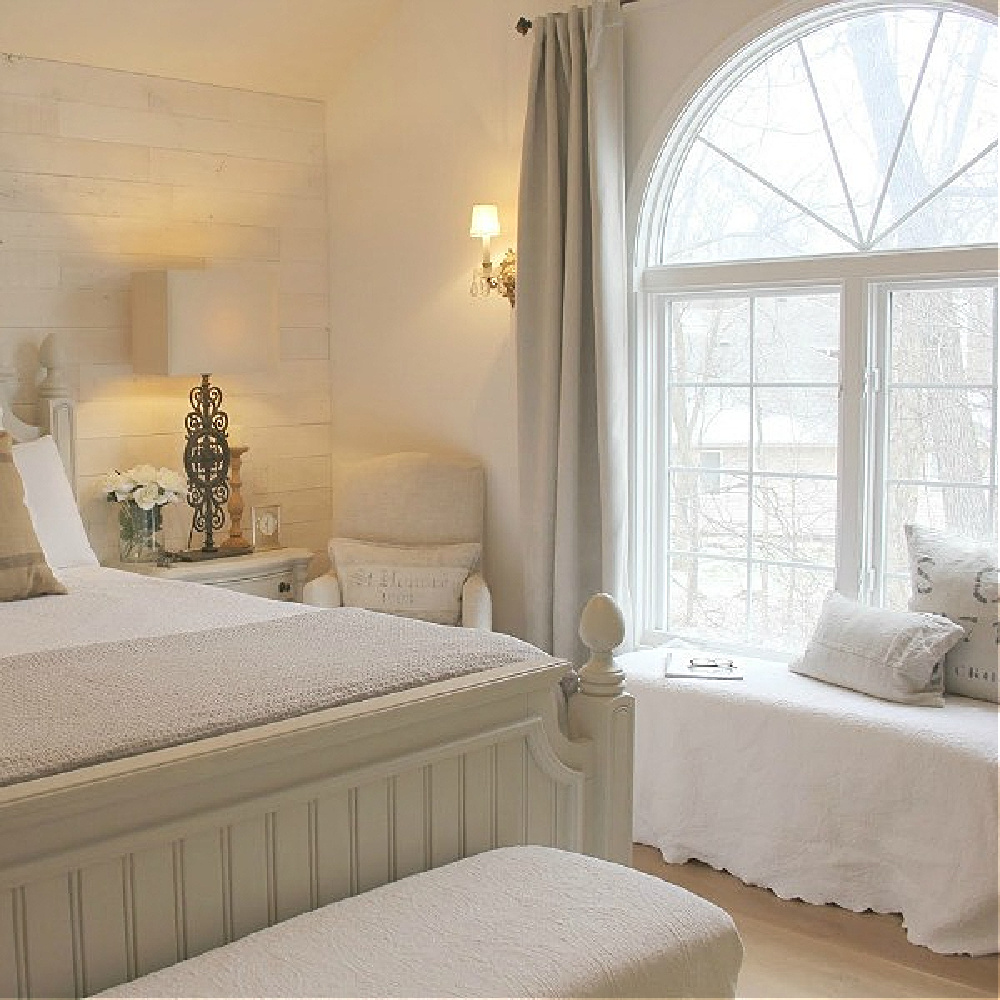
x,y
895,655
957,577
418,581
23,569
52,506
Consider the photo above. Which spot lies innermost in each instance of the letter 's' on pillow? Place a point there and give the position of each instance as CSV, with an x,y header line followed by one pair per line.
x,y
957,577
895,655
418,581
23,569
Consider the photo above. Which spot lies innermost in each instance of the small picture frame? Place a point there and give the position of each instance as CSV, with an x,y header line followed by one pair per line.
x,y
266,527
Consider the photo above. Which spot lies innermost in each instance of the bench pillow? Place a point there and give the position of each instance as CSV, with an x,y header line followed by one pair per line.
x,y
23,569
957,577
895,655
419,581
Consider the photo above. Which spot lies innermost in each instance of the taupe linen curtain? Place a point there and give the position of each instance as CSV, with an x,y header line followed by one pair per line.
x,y
571,319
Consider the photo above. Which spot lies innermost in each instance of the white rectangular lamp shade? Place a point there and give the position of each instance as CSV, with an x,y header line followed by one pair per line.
x,y
221,320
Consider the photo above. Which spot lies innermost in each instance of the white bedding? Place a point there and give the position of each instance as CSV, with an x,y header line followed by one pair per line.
x,y
102,672
824,794
516,922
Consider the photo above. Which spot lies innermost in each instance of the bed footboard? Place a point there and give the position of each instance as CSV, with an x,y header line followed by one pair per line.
x,y
123,868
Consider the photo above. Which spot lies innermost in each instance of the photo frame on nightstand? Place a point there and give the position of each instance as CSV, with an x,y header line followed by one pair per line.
x,y
266,527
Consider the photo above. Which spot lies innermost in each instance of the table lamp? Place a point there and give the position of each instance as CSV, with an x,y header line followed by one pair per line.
x,y
191,322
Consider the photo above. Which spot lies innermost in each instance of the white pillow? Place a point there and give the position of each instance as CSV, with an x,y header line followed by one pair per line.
x,y
895,655
50,501
957,577
418,581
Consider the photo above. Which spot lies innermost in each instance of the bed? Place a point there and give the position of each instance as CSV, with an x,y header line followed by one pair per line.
x,y
824,794
139,845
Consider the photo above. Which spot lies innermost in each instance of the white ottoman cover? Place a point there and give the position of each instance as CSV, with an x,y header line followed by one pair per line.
x,y
513,922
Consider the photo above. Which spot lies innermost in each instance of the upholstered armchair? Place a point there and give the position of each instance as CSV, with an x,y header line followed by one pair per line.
x,y
408,531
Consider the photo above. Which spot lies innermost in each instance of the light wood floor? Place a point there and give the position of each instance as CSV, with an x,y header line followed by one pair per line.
x,y
794,949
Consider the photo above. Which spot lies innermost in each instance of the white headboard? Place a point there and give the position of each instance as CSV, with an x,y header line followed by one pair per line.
x,y
53,411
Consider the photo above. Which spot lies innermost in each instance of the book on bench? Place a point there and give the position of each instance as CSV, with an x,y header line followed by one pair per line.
x,y
706,667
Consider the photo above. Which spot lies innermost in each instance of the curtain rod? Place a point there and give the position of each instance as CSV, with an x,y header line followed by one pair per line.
x,y
523,25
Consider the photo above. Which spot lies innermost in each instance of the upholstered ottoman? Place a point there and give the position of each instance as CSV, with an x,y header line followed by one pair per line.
x,y
514,922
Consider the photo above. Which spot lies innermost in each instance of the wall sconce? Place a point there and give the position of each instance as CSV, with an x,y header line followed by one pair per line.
x,y
488,278
195,323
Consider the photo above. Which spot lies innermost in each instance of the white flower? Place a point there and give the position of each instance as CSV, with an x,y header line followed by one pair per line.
x,y
119,484
171,482
145,485
144,475
146,496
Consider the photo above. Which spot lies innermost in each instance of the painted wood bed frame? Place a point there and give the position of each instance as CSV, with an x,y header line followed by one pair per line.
x,y
114,870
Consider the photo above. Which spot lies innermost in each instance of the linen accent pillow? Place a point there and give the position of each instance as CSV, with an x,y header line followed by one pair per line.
x,y
418,581
23,569
957,577
895,655
52,506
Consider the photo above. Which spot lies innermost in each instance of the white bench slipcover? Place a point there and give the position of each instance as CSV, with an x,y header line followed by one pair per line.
x,y
513,922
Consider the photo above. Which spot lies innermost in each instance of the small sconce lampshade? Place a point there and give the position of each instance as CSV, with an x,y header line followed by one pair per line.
x,y
485,221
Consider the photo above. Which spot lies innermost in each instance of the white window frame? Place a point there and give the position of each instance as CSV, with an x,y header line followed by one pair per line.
x,y
862,281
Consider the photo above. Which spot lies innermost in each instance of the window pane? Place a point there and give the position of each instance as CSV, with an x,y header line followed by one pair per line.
x,y
785,605
708,513
795,520
704,418
795,430
707,597
942,435
710,340
958,510
797,338
942,335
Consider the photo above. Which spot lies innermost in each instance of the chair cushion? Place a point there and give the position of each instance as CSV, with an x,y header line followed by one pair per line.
x,y
418,581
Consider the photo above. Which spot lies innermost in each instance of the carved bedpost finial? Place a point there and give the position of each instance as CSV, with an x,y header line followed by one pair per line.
x,y
602,629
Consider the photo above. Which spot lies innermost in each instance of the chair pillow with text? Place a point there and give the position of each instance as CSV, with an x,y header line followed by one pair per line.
x,y
418,581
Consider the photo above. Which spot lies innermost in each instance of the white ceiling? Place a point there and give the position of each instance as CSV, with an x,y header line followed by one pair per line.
x,y
298,47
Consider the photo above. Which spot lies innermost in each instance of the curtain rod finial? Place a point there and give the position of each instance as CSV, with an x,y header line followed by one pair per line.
x,y
523,26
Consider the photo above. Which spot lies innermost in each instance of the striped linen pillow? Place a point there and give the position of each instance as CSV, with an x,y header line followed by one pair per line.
x,y
23,569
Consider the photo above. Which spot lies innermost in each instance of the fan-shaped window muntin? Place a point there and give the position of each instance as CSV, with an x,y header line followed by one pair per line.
x,y
874,132
852,384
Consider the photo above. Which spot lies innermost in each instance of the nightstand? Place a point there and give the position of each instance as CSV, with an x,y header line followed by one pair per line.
x,y
276,573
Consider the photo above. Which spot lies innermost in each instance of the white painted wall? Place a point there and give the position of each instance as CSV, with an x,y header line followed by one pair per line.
x,y
103,173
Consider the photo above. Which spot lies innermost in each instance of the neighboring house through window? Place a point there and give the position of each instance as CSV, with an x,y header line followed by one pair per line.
x,y
816,322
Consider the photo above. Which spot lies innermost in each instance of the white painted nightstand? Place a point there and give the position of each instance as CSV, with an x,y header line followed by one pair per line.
x,y
276,573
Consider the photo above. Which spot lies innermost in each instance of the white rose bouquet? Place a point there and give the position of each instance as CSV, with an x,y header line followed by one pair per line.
x,y
145,486
142,492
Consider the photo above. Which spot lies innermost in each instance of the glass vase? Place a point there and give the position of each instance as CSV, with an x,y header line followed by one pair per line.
x,y
138,533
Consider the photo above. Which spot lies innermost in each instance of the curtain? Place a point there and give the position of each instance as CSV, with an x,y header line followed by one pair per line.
x,y
571,322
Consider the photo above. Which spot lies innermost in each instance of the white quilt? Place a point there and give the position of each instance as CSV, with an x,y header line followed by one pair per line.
x,y
76,701
824,794
515,922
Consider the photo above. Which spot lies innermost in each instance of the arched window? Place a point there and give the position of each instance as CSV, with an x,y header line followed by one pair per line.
x,y
816,350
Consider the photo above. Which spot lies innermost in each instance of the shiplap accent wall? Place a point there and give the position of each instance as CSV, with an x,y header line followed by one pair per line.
x,y
103,173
